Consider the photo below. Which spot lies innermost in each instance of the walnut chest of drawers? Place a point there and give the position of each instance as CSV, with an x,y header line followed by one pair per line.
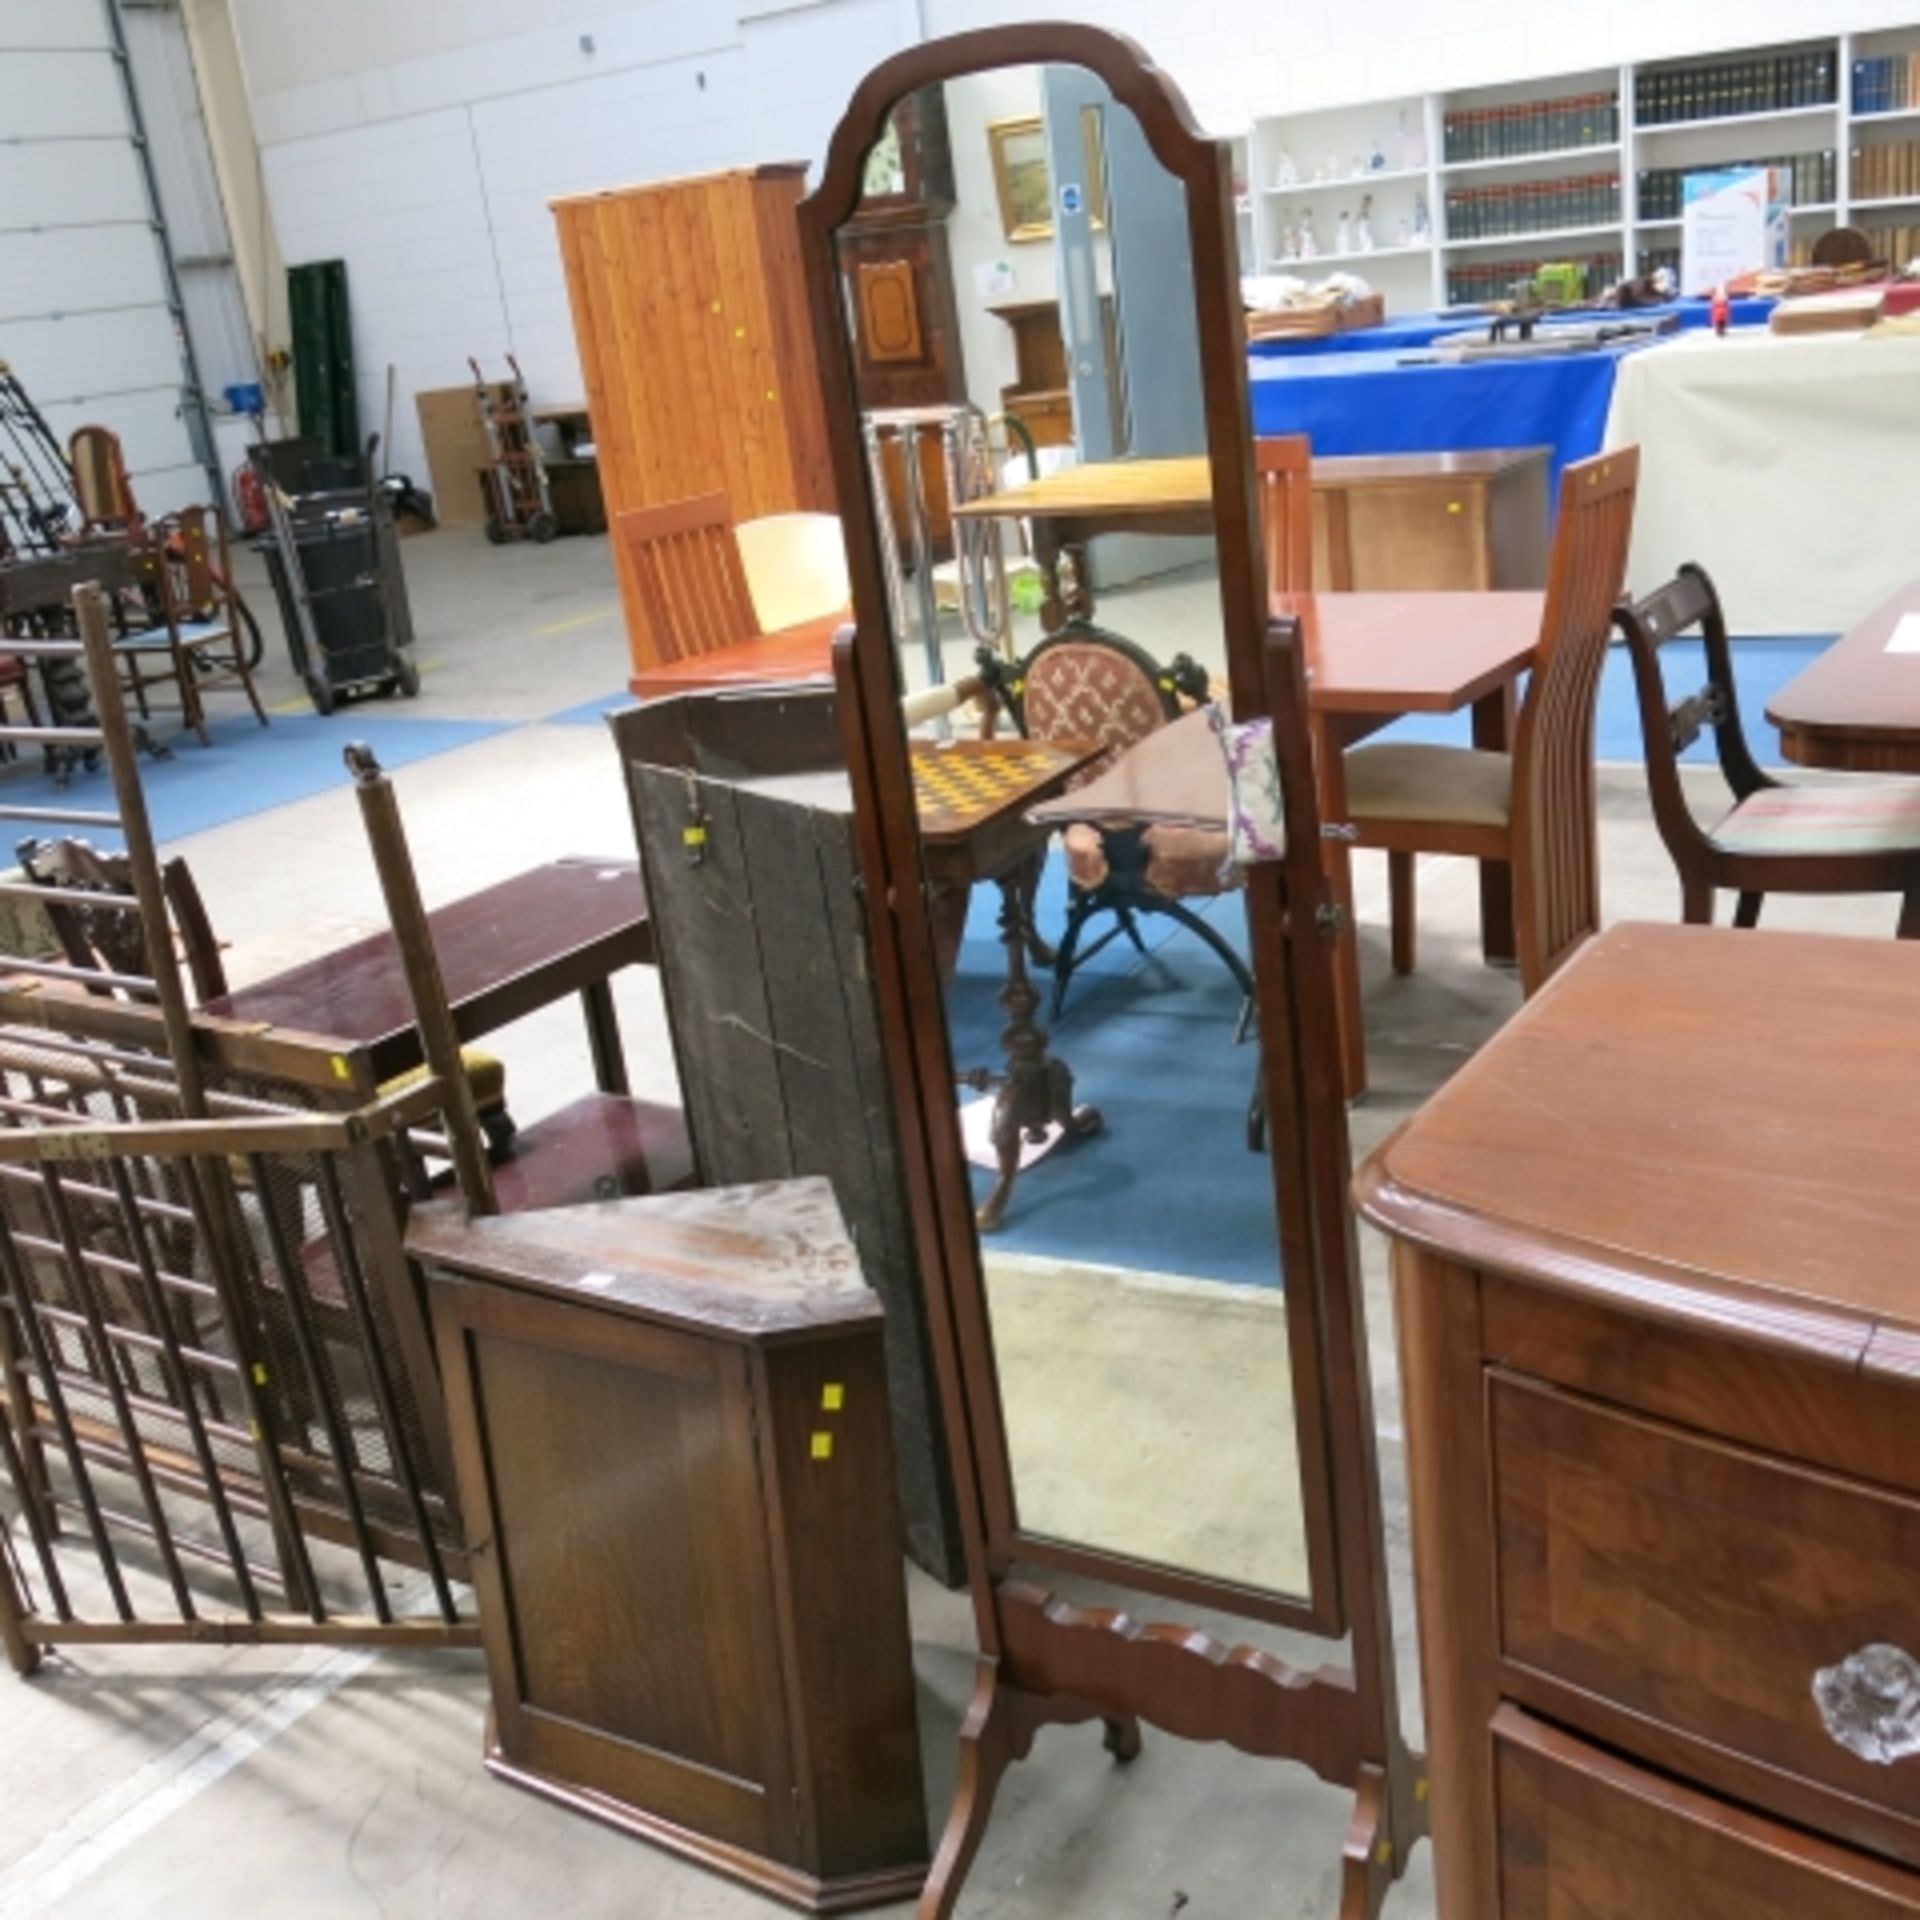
x,y
1657,1278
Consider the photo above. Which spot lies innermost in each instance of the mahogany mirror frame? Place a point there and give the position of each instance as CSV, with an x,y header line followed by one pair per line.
x,y
1043,1660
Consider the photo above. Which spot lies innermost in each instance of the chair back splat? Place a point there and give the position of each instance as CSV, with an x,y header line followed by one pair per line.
x,y
1283,464
1088,684
686,569
1686,603
1557,888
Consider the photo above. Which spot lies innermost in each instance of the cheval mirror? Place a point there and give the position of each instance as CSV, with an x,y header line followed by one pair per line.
x,y
1149,1337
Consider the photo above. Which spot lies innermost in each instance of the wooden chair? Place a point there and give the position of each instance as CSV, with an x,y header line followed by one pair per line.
x,y
1086,684
1838,837
686,569
190,622
795,566
1533,808
100,481
1283,467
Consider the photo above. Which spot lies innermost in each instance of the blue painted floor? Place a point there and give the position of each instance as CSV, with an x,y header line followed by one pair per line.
x,y
248,768
1170,1185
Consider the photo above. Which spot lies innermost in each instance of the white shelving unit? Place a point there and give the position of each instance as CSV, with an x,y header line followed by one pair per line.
x,y
1408,131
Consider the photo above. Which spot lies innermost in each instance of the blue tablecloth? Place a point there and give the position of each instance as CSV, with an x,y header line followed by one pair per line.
x,y
1379,403
1411,330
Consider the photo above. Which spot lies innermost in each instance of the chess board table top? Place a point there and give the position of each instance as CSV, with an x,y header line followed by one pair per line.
x,y
973,797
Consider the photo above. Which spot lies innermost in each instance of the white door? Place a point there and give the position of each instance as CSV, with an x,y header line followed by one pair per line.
x,y
86,319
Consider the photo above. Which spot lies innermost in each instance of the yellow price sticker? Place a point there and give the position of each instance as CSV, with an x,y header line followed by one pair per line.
x,y
822,1447
341,1070
833,1397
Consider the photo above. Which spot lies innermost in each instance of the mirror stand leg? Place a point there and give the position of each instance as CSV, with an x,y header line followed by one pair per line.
x,y
989,1744
998,1731
1371,1861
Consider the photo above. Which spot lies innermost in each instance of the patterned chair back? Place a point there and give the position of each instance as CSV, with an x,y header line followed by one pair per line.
x,y
1086,684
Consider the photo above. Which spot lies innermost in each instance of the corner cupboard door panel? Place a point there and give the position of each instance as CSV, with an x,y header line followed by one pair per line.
x,y
640,1600
1585,1836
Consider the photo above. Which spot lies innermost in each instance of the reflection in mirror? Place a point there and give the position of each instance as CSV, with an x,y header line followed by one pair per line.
x,y
1020,291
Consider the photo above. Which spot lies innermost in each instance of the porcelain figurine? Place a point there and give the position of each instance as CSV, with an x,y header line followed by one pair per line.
x,y
1308,245
1377,159
1285,173
1343,235
1363,227
1422,223
1413,140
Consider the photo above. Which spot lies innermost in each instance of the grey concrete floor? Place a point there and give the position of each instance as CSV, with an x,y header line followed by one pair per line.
x,y
211,1784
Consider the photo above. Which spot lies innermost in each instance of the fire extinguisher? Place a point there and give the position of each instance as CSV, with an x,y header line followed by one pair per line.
x,y
249,500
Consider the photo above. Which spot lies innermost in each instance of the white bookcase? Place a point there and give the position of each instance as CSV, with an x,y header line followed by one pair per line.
x,y
1496,202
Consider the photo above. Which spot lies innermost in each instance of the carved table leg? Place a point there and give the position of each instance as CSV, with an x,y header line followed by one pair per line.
x,y
1038,1089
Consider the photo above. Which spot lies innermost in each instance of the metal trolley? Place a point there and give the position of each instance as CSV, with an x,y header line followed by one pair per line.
x,y
519,501
335,562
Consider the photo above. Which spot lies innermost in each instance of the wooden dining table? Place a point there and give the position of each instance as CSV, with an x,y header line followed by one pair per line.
x,y
789,656
1474,520
1371,659
1857,707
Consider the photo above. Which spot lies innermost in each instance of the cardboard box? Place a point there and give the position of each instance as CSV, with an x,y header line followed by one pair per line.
x,y
456,445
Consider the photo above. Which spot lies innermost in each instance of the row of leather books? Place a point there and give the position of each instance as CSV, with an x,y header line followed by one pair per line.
x,y
1886,83
1899,244
1885,171
1472,283
1763,83
1531,126
1533,206
1814,181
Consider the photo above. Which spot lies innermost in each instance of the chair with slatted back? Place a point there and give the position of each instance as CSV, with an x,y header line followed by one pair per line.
x,y
686,571
1534,808
1858,836
1283,466
189,624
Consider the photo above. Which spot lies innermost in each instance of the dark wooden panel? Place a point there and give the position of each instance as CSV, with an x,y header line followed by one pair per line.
x,y
715,978
827,1443
1584,1836
614,1580
1696,1584
768,981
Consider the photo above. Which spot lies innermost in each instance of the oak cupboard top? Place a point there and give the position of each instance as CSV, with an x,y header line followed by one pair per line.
x,y
1696,1124
765,1262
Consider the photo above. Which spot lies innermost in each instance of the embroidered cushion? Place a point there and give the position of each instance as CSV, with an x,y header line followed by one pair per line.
x,y
1256,808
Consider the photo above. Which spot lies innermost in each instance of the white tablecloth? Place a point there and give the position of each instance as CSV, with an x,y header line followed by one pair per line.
x,y
1788,468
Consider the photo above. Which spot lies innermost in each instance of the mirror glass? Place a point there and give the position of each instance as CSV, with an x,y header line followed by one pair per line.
x,y
1021,299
